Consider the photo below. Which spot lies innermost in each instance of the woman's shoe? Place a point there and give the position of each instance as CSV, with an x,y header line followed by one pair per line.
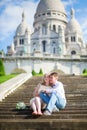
x,y
39,113
34,113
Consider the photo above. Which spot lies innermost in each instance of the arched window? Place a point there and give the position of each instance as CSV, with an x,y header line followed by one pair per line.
x,y
54,47
34,47
34,44
73,39
73,52
54,27
36,29
66,39
44,29
54,50
44,46
21,41
34,50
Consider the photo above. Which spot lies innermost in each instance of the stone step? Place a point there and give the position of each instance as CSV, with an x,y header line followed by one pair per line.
x,y
58,116
26,99
69,108
69,98
68,95
72,104
44,124
82,112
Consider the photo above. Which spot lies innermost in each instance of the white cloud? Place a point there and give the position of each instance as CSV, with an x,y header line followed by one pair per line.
x,y
11,16
69,3
84,28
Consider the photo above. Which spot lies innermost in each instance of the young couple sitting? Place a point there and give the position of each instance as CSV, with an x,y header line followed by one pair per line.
x,y
49,94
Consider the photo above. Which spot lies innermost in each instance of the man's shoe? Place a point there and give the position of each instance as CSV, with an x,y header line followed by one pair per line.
x,y
55,109
47,113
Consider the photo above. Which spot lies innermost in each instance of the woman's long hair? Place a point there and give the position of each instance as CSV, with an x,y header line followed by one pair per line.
x,y
43,79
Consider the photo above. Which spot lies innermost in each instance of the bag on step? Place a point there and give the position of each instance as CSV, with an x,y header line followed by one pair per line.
x,y
20,105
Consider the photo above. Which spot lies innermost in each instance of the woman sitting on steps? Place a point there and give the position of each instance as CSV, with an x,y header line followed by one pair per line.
x,y
36,103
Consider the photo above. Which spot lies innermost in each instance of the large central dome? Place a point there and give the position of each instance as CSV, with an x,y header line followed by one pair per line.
x,y
50,12
45,5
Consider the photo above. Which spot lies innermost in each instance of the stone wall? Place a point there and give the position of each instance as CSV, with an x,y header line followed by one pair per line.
x,y
68,65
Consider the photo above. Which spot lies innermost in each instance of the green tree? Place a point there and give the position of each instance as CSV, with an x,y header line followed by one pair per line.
x,y
2,70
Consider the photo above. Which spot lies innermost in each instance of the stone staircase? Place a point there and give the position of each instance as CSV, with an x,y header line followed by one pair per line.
x,y
73,117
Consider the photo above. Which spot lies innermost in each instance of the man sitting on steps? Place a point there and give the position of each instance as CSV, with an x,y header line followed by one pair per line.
x,y
54,96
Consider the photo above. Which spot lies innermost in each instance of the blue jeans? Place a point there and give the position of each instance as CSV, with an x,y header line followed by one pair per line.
x,y
53,100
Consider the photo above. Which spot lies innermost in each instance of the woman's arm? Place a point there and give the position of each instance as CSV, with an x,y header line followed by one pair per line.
x,y
35,93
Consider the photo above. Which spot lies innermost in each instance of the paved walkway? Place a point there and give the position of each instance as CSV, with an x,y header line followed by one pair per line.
x,y
9,86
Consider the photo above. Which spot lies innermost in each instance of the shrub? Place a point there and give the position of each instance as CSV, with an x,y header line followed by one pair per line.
x,y
40,72
33,72
84,71
37,74
2,70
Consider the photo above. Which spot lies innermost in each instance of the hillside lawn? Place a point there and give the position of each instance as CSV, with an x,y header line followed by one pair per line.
x,y
7,77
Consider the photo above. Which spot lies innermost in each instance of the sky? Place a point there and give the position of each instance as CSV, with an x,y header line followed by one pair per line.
x,y
11,15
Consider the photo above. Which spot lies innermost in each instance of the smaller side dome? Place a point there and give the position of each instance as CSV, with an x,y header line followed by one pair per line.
x,y
73,25
23,26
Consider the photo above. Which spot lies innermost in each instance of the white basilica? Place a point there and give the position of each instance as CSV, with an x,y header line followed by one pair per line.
x,y
53,34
